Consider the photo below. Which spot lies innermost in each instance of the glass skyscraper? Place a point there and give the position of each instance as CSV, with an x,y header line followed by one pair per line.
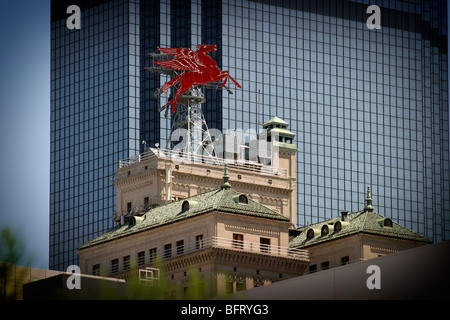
x,y
368,106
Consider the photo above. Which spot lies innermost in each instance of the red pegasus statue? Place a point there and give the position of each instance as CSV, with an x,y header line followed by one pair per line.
x,y
198,68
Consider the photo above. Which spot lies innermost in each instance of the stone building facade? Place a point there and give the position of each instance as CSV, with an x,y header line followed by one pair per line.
x,y
178,214
157,176
353,237
181,211
231,241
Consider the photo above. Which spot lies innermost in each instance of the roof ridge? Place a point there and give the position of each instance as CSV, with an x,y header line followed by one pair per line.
x,y
368,222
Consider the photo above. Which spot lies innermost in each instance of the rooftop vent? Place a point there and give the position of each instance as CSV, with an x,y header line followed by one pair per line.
x,y
344,215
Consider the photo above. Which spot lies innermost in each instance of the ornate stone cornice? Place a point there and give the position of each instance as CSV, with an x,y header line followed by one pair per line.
x,y
137,186
382,250
242,258
252,230
132,179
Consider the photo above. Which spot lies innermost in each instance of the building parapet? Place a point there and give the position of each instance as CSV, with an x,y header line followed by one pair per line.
x,y
190,158
124,270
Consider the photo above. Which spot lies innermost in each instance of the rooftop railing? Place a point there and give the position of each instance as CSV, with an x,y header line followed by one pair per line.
x,y
180,157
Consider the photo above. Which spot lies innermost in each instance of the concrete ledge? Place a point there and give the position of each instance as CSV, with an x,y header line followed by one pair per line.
x,y
419,273
91,287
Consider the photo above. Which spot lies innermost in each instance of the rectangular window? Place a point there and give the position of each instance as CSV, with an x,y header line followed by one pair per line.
x,y
264,245
146,203
141,258
152,254
129,207
167,250
325,265
96,269
240,286
114,265
313,268
126,262
229,287
180,247
257,283
345,260
199,241
238,241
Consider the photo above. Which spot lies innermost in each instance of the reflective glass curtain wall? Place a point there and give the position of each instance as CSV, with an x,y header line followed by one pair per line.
x,y
368,107
95,93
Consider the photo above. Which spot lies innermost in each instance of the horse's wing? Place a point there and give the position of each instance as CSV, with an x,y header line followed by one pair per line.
x,y
177,52
177,64
184,59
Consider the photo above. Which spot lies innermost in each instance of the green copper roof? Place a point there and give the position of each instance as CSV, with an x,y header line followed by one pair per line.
x,y
285,145
368,222
276,120
283,132
279,126
224,199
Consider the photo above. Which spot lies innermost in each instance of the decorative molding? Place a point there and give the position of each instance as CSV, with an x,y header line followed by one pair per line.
x,y
252,230
258,281
237,277
178,186
330,252
203,189
136,177
272,263
272,200
137,187
382,250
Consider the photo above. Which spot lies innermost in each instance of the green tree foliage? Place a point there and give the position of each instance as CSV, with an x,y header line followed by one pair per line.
x,y
12,253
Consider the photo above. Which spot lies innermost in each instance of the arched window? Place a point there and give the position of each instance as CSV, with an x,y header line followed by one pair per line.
x,y
325,230
310,234
387,223
185,205
188,204
243,199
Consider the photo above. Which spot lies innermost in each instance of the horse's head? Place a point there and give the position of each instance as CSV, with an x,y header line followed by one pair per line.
x,y
207,47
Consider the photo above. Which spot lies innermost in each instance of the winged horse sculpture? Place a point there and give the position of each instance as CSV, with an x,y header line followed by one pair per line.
x,y
197,68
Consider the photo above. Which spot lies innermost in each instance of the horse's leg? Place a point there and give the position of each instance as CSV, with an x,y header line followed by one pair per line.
x,y
186,82
237,84
226,75
224,83
170,83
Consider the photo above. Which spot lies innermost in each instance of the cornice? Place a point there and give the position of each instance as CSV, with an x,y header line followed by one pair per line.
x,y
252,230
136,187
137,177
235,257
